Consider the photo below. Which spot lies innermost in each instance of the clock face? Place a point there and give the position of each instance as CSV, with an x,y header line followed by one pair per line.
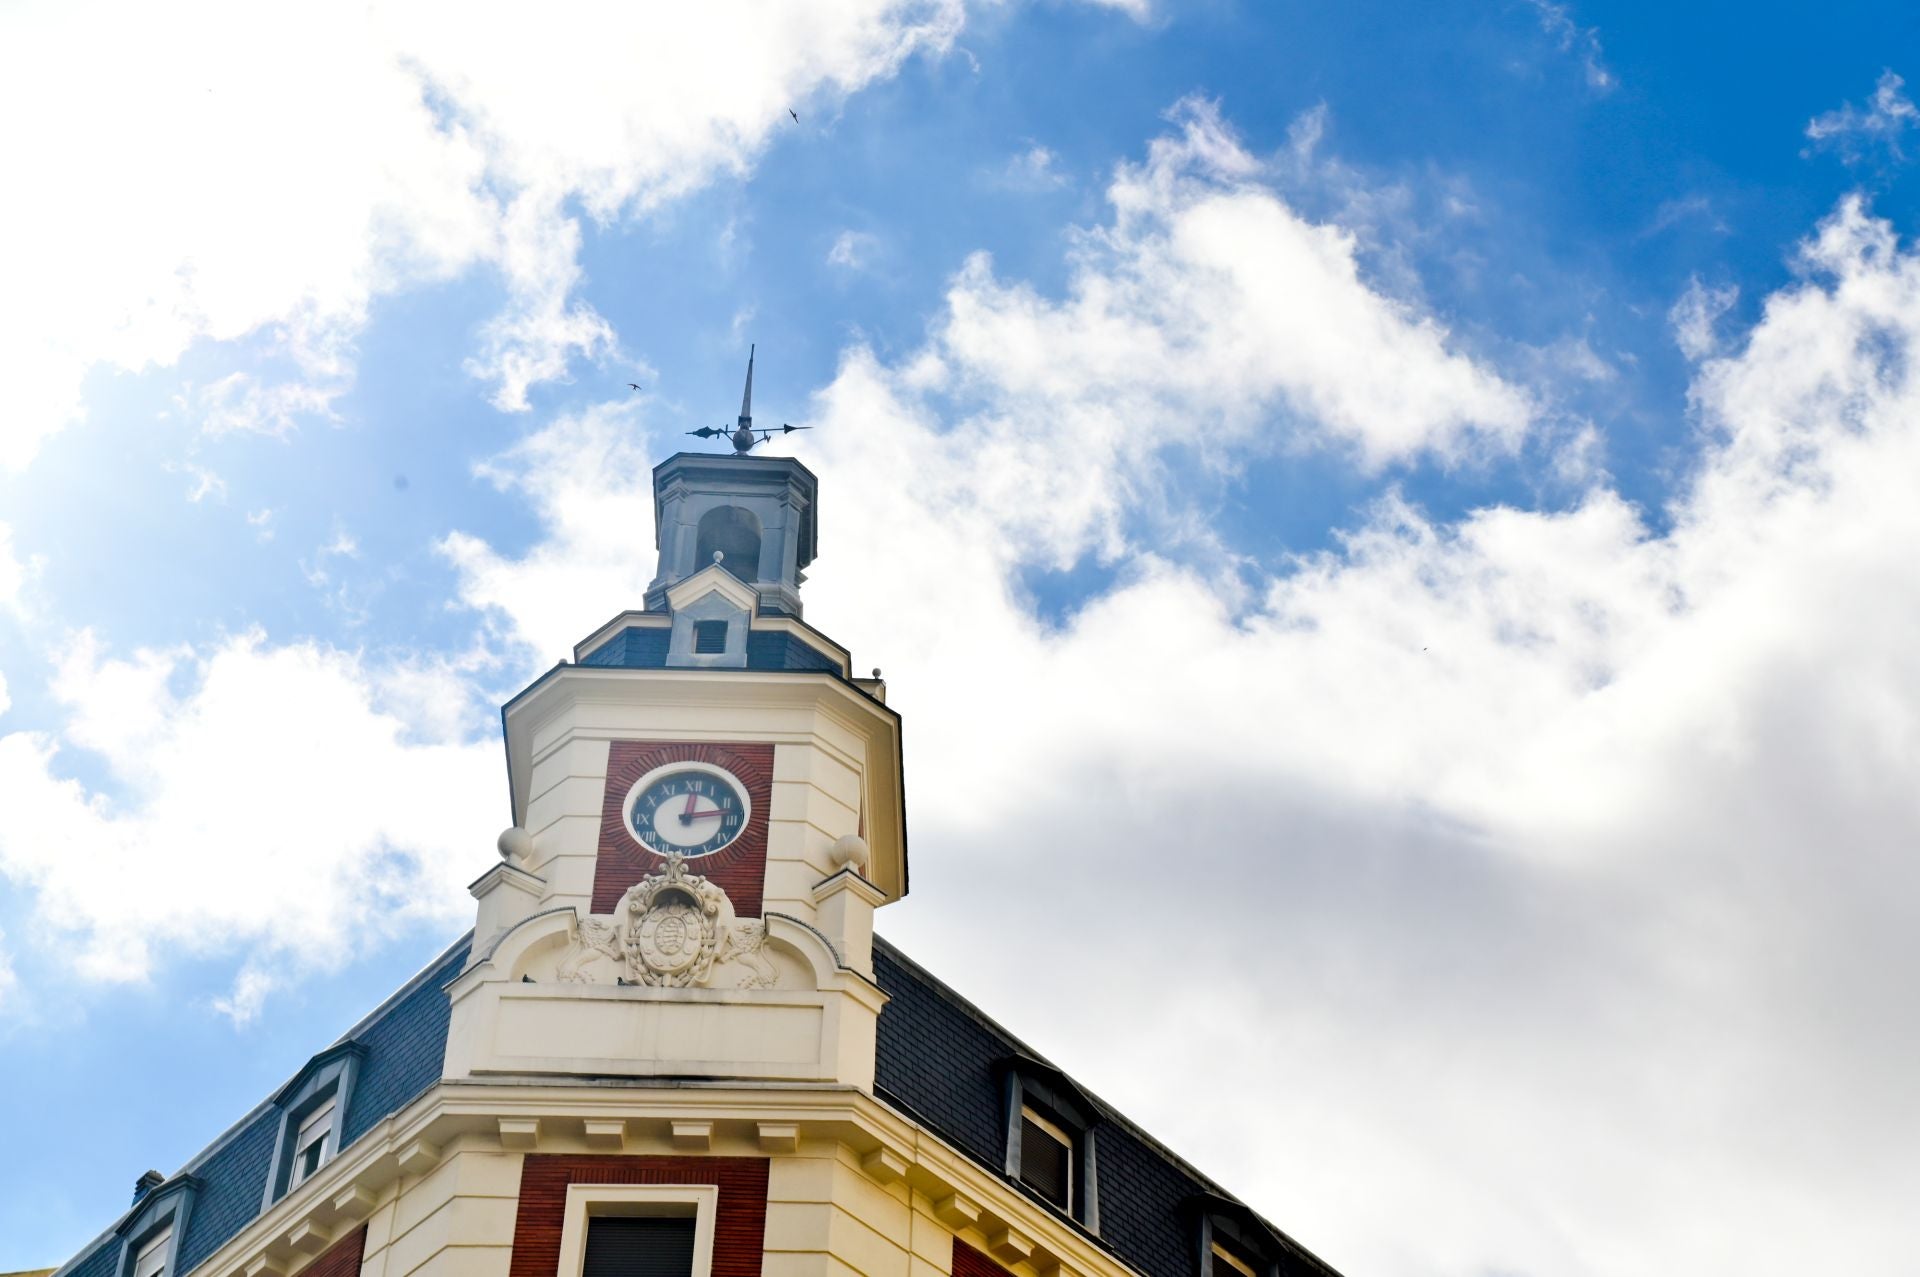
x,y
691,808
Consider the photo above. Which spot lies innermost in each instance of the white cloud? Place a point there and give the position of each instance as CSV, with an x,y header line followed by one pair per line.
x,y
1205,308
1696,315
1138,10
596,555
1560,852
852,250
1539,873
8,980
261,521
1879,129
13,573
1689,208
1556,20
270,200
1207,304
1032,170
239,402
262,802
205,482
341,546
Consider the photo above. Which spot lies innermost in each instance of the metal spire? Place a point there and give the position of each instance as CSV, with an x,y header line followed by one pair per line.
x,y
744,435
746,400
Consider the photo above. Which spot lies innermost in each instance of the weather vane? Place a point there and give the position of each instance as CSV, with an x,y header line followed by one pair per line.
x,y
746,436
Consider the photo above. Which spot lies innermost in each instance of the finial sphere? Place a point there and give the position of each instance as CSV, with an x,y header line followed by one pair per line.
x,y
850,852
515,843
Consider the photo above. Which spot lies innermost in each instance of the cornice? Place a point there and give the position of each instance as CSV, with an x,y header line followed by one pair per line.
x,y
514,1114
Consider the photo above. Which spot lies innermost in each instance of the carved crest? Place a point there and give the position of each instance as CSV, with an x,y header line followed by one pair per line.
x,y
669,931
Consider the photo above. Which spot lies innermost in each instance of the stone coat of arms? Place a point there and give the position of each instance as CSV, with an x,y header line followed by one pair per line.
x,y
669,931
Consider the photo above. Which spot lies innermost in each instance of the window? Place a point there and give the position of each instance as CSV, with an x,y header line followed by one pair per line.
x,y
1050,1138
639,1246
1233,1241
709,637
1046,1158
638,1230
313,1116
150,1236
314,1144
733,534
150,1260
1226,1262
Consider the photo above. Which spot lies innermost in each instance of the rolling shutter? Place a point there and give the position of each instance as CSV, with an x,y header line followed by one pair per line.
x,y
639,1246
1043,1162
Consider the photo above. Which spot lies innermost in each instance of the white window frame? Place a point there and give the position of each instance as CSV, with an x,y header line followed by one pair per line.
x,y
1060,1133
156,1248
321,1116
589,1201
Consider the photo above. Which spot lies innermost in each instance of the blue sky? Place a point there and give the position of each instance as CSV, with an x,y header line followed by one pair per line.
x,y
1263,351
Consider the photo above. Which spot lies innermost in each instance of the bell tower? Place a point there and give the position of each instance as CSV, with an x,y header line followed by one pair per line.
x,y
751,515
707,809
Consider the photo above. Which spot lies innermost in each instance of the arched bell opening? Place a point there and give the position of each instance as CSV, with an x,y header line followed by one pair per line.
x,y
735,534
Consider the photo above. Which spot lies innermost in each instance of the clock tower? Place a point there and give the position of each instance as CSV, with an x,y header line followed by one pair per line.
x,y
707,809
672,1045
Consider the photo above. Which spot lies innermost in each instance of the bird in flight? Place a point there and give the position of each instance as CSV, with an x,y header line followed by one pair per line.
x,y
795,114
634,385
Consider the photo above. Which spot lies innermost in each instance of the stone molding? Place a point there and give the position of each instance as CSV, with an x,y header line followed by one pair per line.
x,y
980,1208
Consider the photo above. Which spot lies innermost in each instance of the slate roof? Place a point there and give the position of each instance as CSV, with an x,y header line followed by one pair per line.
x,y
406,1042
644,647
939,1062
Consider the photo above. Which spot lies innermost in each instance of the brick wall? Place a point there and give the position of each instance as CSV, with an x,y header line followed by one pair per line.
x,y
342,1259
968,1262
740,870
740,1223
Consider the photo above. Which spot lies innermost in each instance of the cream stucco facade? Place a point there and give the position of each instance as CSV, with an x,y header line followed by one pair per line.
x,y
853,1187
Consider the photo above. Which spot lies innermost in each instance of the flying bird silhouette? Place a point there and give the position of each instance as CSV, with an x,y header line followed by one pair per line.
x,y
634,384
796,117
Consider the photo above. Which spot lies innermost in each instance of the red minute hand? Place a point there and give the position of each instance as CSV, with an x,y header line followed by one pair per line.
x,y
702,815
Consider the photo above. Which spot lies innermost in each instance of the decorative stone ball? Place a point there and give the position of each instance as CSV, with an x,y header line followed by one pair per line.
x,y
850,852
515,844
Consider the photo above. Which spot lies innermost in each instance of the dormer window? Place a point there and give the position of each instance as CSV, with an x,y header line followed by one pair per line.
x,y
150,1259
709,638
1046,1157
1050,1144
314,1144
313,1119
151,1235
1233,1241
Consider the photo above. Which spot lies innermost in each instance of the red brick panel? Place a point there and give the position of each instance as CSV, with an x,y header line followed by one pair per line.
x,y
740,870
740,1224
968,1262
342,1259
